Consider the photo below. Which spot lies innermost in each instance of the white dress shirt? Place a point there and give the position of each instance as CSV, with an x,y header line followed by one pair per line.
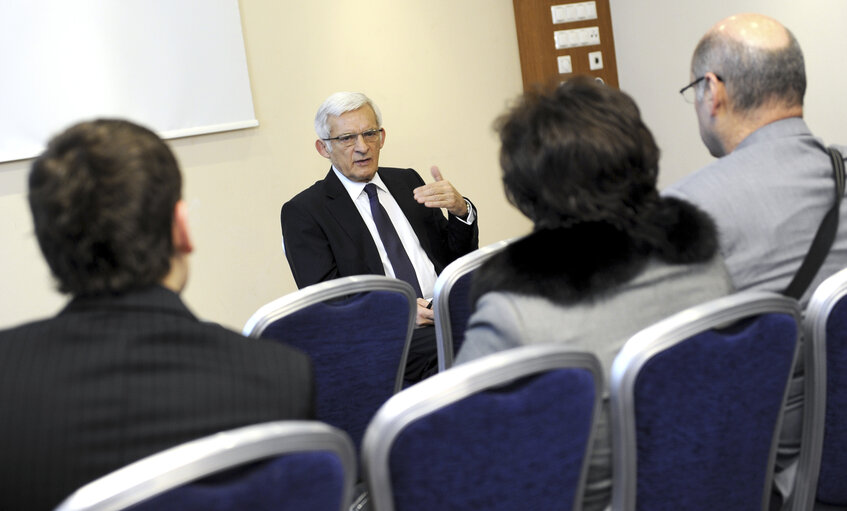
x,y
423,266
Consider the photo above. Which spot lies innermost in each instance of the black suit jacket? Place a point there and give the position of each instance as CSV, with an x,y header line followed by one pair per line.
x,y
326,238
113,379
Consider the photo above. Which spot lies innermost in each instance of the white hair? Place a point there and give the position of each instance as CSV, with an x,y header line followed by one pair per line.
x,y
339,103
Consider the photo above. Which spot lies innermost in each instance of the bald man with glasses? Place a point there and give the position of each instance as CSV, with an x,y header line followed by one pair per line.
x,y
366,219
773,182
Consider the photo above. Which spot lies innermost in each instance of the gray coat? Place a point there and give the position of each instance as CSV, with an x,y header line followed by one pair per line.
x,y
592,287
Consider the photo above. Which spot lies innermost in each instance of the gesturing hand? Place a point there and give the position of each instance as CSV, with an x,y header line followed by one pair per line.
x,y
441,194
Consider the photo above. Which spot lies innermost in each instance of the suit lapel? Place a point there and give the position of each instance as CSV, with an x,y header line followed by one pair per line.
x,y
345,213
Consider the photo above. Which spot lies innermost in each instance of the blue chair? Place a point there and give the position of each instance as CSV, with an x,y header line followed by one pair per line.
x,y
357,331
285,466
508,431
697,402
822,470
451,301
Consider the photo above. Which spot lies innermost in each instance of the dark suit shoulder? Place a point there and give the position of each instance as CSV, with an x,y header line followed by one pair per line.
x,y
131,380
236,341
307,196
409,176
124,337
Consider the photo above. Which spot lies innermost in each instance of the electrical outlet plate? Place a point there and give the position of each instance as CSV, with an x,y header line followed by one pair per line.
x,y
595,60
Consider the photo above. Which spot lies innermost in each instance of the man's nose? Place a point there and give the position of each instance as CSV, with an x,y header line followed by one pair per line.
x,y
360,145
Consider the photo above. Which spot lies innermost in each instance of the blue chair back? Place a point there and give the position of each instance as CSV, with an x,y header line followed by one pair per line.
x,y
822,470
284,466
451,301
697,402
508,431
357,331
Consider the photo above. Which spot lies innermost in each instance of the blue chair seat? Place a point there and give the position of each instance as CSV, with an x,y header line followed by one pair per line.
x,y
284,466
357,331
508,431
697,403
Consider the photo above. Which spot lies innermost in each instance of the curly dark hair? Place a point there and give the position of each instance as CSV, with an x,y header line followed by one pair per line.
x,y
578,153
102,197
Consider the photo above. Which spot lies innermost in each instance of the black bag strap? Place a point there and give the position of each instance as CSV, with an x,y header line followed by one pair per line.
x,y
823,238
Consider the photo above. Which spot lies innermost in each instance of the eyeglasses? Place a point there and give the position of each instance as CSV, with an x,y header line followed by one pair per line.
x,y
348,139
688,91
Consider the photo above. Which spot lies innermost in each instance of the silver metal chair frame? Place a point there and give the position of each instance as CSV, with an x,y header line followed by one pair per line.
x,y
441,296
821,303
658,337
194,460
329,290
458,383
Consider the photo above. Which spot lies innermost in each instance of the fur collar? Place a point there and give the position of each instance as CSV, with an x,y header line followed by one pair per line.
x,y
570,264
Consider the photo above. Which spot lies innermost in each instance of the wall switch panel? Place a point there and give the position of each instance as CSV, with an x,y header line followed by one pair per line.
x,y
583,41
576,37
568,13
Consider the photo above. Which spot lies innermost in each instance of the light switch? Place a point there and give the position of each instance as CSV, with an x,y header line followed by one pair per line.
x,y
562,39
565,64
560,14
580,11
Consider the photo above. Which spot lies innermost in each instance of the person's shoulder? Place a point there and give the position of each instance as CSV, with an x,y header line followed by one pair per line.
x,y
508,305
707,175
693,281
258,347
308,195
840,148
397,170
497,300
273,370
270,358
400,174
24,332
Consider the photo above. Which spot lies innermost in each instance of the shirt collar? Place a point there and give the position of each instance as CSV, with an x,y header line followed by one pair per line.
x,y
355,188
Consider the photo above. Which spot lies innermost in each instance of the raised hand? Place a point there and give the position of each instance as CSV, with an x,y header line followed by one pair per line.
x,y
441,194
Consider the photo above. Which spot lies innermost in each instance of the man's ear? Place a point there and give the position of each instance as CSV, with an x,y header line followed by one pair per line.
x,y
714,94
320,145
180,232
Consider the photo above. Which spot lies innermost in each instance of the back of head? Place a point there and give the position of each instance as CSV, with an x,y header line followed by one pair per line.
x,y
102,197
758,59
339,103
578,153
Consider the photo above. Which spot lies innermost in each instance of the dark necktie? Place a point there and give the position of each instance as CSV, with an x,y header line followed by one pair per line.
x,y
397,255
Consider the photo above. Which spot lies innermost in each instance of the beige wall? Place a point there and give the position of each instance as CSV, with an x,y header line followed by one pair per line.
x,y
654,40
441,71
439,77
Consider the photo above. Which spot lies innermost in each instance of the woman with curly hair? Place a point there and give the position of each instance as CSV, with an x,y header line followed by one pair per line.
x,y
607,256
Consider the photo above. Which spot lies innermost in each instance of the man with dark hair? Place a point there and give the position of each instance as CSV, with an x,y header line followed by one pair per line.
x,y
335,228
773,181
125,370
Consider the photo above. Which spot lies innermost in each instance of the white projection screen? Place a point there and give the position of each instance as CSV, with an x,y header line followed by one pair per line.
x,y
175,66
